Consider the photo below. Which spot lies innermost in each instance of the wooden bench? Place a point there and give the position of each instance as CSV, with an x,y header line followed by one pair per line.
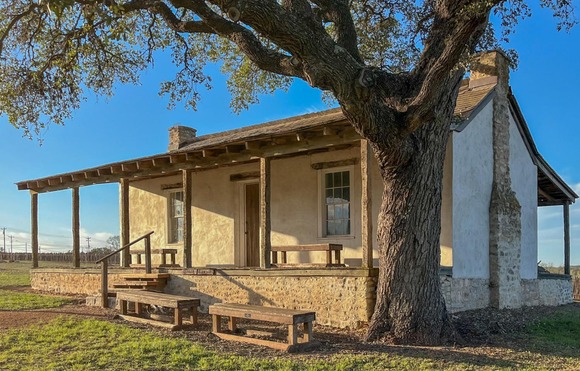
x,y
289,317
164,253
140,297
328,247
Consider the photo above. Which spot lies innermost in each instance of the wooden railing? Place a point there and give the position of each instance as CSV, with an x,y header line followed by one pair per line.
x,y
105,265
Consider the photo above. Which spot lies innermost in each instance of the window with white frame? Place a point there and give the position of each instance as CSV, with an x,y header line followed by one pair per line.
x,y
175,211
336,205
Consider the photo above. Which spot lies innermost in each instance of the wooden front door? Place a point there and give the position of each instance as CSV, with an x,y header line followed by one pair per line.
x,y
252,227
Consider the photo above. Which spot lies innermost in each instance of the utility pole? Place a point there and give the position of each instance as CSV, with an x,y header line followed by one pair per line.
x,y
11,237
4,234
88,244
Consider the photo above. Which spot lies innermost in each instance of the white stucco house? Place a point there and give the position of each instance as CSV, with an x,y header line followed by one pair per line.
x,y
223,200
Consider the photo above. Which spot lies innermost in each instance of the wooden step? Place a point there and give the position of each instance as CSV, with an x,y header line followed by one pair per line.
x,y
143,284
145,275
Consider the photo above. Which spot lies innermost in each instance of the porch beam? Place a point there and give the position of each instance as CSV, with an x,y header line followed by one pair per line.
x,y
366,205
265,221
566,237
34,227
125,225
187,220
76,227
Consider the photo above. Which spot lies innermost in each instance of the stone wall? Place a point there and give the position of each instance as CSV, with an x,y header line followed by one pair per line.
x,y
547,291
337,300
72,281
340,298
464,293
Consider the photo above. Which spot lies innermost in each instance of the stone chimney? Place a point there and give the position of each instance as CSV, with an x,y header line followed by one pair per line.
x,y
488,68
179,135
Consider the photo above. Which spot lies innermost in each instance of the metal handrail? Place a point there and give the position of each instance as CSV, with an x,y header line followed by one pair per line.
x,y
105,265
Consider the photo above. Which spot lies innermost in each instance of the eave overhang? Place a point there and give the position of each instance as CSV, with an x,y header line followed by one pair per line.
x,y
322,131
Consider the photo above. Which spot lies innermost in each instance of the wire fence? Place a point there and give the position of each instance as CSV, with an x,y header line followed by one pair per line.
x,y
59,257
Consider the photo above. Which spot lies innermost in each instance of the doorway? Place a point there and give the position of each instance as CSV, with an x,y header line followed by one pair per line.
x,y
252,224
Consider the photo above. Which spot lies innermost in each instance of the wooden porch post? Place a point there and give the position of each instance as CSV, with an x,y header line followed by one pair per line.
x,y
187,222
366,205
265,222
566,237
34,227
76,228
125,225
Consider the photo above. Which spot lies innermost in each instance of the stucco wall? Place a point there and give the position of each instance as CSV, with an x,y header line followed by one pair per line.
x,y
217,202
148,212
472,180
447,208
525,185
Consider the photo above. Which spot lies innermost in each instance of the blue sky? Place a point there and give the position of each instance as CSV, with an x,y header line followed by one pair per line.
x,y
134,123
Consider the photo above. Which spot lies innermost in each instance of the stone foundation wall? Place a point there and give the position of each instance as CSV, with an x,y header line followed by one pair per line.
x,y
337,301
465,293
339,298
345,299
547,291
71,281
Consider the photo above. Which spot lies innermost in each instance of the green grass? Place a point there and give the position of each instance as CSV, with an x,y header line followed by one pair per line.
x,y
14,274
88,344
17,275
561,329
14,300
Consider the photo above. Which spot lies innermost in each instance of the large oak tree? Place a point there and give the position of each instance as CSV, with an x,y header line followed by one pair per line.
x,y
394,67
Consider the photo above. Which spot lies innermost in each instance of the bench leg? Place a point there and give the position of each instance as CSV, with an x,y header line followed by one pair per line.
x,y
274,257
307,332
138,258
163,259
292,334
337,256
193,315
216,325
138,308
172,259
123,306
284,258
232,324
178,321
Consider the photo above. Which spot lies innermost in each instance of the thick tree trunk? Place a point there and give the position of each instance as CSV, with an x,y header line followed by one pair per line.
x,y
410,307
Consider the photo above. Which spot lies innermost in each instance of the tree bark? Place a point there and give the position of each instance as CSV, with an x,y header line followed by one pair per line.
x,y
410,307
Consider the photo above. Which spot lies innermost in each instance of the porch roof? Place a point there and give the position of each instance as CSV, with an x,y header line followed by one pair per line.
x,y
319,131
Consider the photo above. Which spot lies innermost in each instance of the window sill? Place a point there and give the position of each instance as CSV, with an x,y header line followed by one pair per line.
x,y
331,238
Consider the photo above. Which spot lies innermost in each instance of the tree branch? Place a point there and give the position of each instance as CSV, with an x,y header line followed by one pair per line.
x,y
265,58
338,12
457,26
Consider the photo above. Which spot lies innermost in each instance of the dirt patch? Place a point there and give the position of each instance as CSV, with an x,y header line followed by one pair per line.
x,y
22,318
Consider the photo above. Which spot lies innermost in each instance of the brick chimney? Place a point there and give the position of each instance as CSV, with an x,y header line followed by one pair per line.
x,y
488,68
179,135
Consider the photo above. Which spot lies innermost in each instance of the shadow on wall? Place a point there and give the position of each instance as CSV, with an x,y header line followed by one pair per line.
x,y
189,288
